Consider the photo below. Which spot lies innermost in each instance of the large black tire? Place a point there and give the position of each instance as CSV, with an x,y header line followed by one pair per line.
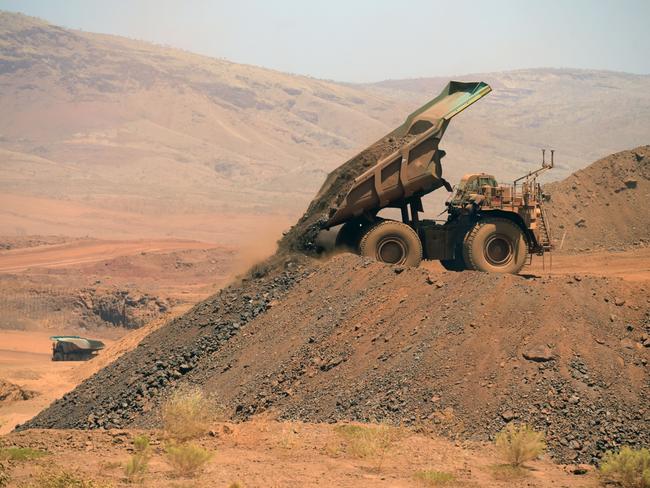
x,y
349,236
495,245
391,242
58,356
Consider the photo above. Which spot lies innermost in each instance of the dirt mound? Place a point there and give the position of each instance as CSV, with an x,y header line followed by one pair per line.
x,y
351,339
601,206
460,353
10,392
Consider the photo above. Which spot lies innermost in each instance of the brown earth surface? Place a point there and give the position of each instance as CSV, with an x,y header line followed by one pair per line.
x,y
264,453
565,350
78,284
351,339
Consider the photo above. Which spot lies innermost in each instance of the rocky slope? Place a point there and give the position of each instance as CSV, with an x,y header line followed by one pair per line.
x,y
601,205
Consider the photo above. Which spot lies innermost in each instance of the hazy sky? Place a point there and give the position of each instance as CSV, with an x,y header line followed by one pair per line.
x,y
364,40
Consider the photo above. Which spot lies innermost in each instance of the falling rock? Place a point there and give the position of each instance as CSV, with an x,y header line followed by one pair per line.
x,y
539,354
630,183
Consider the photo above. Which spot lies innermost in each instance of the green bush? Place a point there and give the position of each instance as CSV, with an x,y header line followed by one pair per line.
x,y
630,467
519,443
187,459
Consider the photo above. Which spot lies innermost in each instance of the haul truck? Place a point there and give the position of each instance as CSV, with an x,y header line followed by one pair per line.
x,y
489,227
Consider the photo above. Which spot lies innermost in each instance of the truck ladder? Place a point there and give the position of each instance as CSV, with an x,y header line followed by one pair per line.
x,y
544,231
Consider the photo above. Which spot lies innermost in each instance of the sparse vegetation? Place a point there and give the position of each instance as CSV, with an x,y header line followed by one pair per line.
x,y
188,414
367,441
136,467
519,443
629,467
20,453
434,478
187,459
65,479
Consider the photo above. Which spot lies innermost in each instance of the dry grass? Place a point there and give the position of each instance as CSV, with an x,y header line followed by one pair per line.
x,y
136,467
187,459
65,479
368,442
188,414
629,467
21,453
434,478
519,443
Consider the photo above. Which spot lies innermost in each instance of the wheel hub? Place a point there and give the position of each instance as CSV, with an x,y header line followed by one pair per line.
x,y
498,250
391,250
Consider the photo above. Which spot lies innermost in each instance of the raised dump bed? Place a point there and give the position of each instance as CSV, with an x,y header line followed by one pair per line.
x,y
413,168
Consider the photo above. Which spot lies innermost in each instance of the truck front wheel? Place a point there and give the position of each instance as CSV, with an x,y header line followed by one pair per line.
x,y
496,246
392,242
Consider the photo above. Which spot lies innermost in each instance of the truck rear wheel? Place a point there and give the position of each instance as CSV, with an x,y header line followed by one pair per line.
x,y
496,246
392,242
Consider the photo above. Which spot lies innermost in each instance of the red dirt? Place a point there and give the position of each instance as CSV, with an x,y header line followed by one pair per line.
x,y
352,339
263,453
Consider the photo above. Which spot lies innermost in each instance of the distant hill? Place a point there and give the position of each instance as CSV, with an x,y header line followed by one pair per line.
x,y
108,136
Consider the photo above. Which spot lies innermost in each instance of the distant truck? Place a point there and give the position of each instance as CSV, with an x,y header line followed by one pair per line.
x,y
489,227
74,348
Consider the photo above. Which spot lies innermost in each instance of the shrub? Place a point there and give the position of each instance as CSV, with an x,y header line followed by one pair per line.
x,y
187,414
20,453
519,443
366,441
187,459
136,467
434,478
630,467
